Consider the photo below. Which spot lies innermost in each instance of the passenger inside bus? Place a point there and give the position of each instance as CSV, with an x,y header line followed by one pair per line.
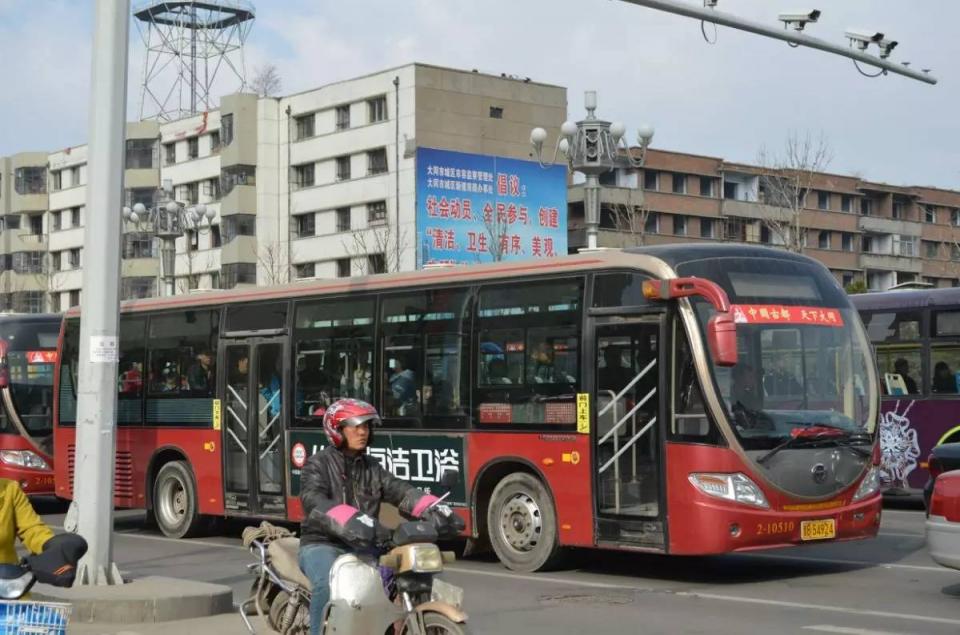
x,y
131,380
269,386
614,375
403,388
944,381
497,372
744,388
902,368
200,376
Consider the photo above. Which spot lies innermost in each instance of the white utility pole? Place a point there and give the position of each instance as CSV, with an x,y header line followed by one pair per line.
x,y
97,389
787,35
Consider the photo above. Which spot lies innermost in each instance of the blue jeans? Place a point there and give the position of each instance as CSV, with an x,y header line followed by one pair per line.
x,y
316,560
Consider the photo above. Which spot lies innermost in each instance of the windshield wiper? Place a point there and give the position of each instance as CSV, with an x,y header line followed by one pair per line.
x,y
820,433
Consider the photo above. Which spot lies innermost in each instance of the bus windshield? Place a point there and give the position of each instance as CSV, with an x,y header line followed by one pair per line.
x,y
31,357
803,359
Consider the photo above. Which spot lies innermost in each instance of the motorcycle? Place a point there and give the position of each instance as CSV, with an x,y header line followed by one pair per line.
x,y
407,600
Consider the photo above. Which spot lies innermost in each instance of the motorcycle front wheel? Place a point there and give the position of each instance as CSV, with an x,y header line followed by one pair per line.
x,y
439,624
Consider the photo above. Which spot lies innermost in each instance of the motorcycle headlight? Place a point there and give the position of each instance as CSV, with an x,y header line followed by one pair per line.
x,y
869,486
426,559
24,458
733,487
16,586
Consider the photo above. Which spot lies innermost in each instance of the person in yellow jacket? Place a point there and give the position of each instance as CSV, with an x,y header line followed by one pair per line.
x,y
19,520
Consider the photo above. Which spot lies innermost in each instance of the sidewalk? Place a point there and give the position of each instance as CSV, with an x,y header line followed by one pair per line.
x,y
224,624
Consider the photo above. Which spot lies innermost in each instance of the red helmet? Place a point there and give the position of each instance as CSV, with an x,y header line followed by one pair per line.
x,y
347,412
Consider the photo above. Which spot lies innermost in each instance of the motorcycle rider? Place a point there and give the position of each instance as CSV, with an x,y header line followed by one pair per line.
x,y
341,488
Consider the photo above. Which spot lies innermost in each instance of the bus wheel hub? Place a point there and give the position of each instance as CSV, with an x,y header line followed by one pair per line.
x,y
520,522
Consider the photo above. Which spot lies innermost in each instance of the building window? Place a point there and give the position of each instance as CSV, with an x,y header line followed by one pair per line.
x,y
376,263
12,221
215,142
169,153
305,128
824,240
905,246
190,192
226,129
377,161
899,209
731,190
138,245
823,200
496,112
139,154
343,219
57,180
679,183
75,176
56,221
306,225
142,195
35,225
706,186
215,238
377,109
74,258
846,203
136,288
650,180
846,241
955,217
652,224
31,180
931,249
867,244
56,261
929,214
343,168
75,217
343,117
377,212
211,188
238,273
303,176
237,175
680,225
846,278
343,268
193,147
866,207
193,239
28,301
707,229
75,297
27,262
306,270
238,225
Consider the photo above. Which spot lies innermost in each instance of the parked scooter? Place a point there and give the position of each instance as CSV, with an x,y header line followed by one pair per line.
x,y
414,602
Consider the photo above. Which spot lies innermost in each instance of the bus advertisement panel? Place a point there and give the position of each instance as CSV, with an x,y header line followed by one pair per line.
x,y
474,208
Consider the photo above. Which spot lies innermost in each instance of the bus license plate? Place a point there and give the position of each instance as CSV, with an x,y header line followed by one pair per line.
x,y
818,529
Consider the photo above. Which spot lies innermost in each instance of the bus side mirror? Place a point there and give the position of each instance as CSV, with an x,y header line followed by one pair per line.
x,y
721,329
4,369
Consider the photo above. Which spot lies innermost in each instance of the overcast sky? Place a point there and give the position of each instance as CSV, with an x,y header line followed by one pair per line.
x,y
725,100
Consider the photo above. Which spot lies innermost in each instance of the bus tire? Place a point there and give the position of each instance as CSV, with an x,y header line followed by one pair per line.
x,y
175,504
522,524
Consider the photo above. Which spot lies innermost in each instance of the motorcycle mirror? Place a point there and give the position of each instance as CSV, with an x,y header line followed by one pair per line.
x,y
450,478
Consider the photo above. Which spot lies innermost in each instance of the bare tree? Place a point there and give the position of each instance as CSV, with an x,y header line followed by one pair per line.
x,y
630,220
379,247
786,179
266,81
272,261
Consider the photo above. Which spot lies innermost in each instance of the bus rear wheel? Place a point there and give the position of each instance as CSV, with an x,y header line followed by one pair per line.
x,y
522,524
175,505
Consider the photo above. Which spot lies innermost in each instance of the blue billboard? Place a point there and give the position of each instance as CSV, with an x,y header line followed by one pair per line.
x,y
474,208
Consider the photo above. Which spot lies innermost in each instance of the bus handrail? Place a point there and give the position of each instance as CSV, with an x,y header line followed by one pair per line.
x,y
633,381
628,444
626,416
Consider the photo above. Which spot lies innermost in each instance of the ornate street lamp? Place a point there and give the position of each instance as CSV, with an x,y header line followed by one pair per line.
x,y
593,146
168,220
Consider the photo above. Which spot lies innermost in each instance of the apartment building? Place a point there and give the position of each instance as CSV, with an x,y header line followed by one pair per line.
x,y
880,234
316,184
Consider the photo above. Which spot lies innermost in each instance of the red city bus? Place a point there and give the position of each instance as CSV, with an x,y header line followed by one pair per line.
x,y
28,353
616,399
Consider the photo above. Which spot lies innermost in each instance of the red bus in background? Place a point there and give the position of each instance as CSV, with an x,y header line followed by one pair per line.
x,y
676,399
28,355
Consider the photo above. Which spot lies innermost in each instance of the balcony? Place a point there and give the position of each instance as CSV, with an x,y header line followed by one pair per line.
x,y
890,226
891,262
758,211
242,199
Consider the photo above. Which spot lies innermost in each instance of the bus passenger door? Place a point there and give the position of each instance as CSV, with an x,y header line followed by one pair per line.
x,y
627,432
252,394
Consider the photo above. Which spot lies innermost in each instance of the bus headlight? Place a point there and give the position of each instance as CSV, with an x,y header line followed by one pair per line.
x,y
733,487
23,458
869,485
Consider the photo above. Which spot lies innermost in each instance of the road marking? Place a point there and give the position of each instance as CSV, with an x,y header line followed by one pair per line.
x,y
890,533
827,628
820,607
546,578
880,565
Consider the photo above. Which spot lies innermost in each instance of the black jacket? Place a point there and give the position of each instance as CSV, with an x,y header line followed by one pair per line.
x,y
327,480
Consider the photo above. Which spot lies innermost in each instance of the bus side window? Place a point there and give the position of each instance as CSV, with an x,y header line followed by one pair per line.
x,y
177,343
333,345
130,369
691,423
528,354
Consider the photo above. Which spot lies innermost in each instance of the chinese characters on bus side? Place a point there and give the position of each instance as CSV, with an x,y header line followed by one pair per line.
x,y
418,465
781,314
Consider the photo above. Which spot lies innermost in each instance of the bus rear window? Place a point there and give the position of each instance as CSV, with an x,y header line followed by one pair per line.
x,y
903,326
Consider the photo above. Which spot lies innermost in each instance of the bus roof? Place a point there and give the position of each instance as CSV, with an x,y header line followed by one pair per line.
x,y
661,258
913,299
20,318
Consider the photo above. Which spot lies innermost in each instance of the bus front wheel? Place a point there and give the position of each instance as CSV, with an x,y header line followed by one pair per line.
x,y
522,524
175,505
